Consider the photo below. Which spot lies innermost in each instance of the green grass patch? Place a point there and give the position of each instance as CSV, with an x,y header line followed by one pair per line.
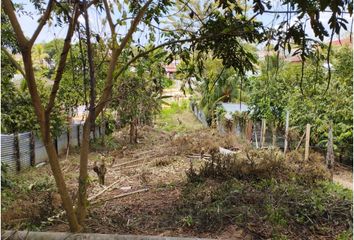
x,y
177,117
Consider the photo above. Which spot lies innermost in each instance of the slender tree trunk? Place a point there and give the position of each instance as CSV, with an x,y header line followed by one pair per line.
x,y
82,191
88,126
116,51
136,131
131,132
274,135
48,143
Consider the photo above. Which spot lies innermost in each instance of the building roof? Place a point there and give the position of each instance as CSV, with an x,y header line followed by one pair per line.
x,y
294,59
172,67
341,42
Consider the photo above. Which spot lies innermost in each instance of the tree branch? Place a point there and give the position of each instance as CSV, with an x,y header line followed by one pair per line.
x,y
115,54
13,61
43,21
109,18
10,12
102,100
62,61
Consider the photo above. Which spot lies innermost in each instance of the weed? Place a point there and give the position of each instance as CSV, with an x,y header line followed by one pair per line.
x,y
5,182
345,235
187,221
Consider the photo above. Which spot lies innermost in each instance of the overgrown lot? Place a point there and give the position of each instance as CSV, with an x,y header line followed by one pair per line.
x,y
191,191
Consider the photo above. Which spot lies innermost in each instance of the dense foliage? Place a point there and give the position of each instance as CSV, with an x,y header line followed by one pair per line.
x,y
278,89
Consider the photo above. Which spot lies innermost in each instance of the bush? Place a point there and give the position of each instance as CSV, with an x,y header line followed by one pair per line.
x,y
261,164
5,182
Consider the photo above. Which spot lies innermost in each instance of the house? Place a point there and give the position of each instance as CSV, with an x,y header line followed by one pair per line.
x,y
171,69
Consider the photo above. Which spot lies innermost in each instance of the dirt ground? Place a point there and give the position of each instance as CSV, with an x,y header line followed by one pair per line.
x,y
155,168
343,176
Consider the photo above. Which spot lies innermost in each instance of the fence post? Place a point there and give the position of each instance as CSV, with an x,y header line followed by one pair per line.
x,y
32,149
78,135
255,136
263,132
17,152
68,137
286,132
67,141
56,145
330,154
249,129
307,143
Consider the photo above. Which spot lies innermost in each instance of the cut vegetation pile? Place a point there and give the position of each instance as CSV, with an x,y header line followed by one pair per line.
x,y
267,195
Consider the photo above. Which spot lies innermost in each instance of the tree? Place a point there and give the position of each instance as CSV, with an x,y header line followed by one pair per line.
x,y
138,98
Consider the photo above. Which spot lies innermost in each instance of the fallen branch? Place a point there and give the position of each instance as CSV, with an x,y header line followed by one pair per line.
x,y
104,190
136,160
121,195
198,155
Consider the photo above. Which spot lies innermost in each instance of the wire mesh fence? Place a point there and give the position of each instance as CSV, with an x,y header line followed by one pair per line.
x,y
262,134
22,150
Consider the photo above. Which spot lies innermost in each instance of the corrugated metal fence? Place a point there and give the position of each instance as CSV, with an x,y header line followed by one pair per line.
x,y
20,151
199,114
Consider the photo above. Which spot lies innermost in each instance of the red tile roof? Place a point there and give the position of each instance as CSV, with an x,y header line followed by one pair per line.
x,y
171,68
341,42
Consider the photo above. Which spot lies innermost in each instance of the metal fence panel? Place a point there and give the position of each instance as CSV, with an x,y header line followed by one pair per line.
x,y
7,152
25,151
40,152
62,143
73,136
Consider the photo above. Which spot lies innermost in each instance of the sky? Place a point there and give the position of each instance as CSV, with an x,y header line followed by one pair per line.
x,y
51,32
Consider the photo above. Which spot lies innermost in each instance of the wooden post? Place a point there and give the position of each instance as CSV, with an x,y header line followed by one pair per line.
x,y
67,142
101,130
263,132
68,137
32,149
255,136
17,152
307,143
249,129
56,144
286,132
330,153
78,135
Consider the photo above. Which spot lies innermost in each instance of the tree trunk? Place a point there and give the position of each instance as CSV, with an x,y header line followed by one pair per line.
x,y
274,135
43,121
88,126
136,132
131,132
82,191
